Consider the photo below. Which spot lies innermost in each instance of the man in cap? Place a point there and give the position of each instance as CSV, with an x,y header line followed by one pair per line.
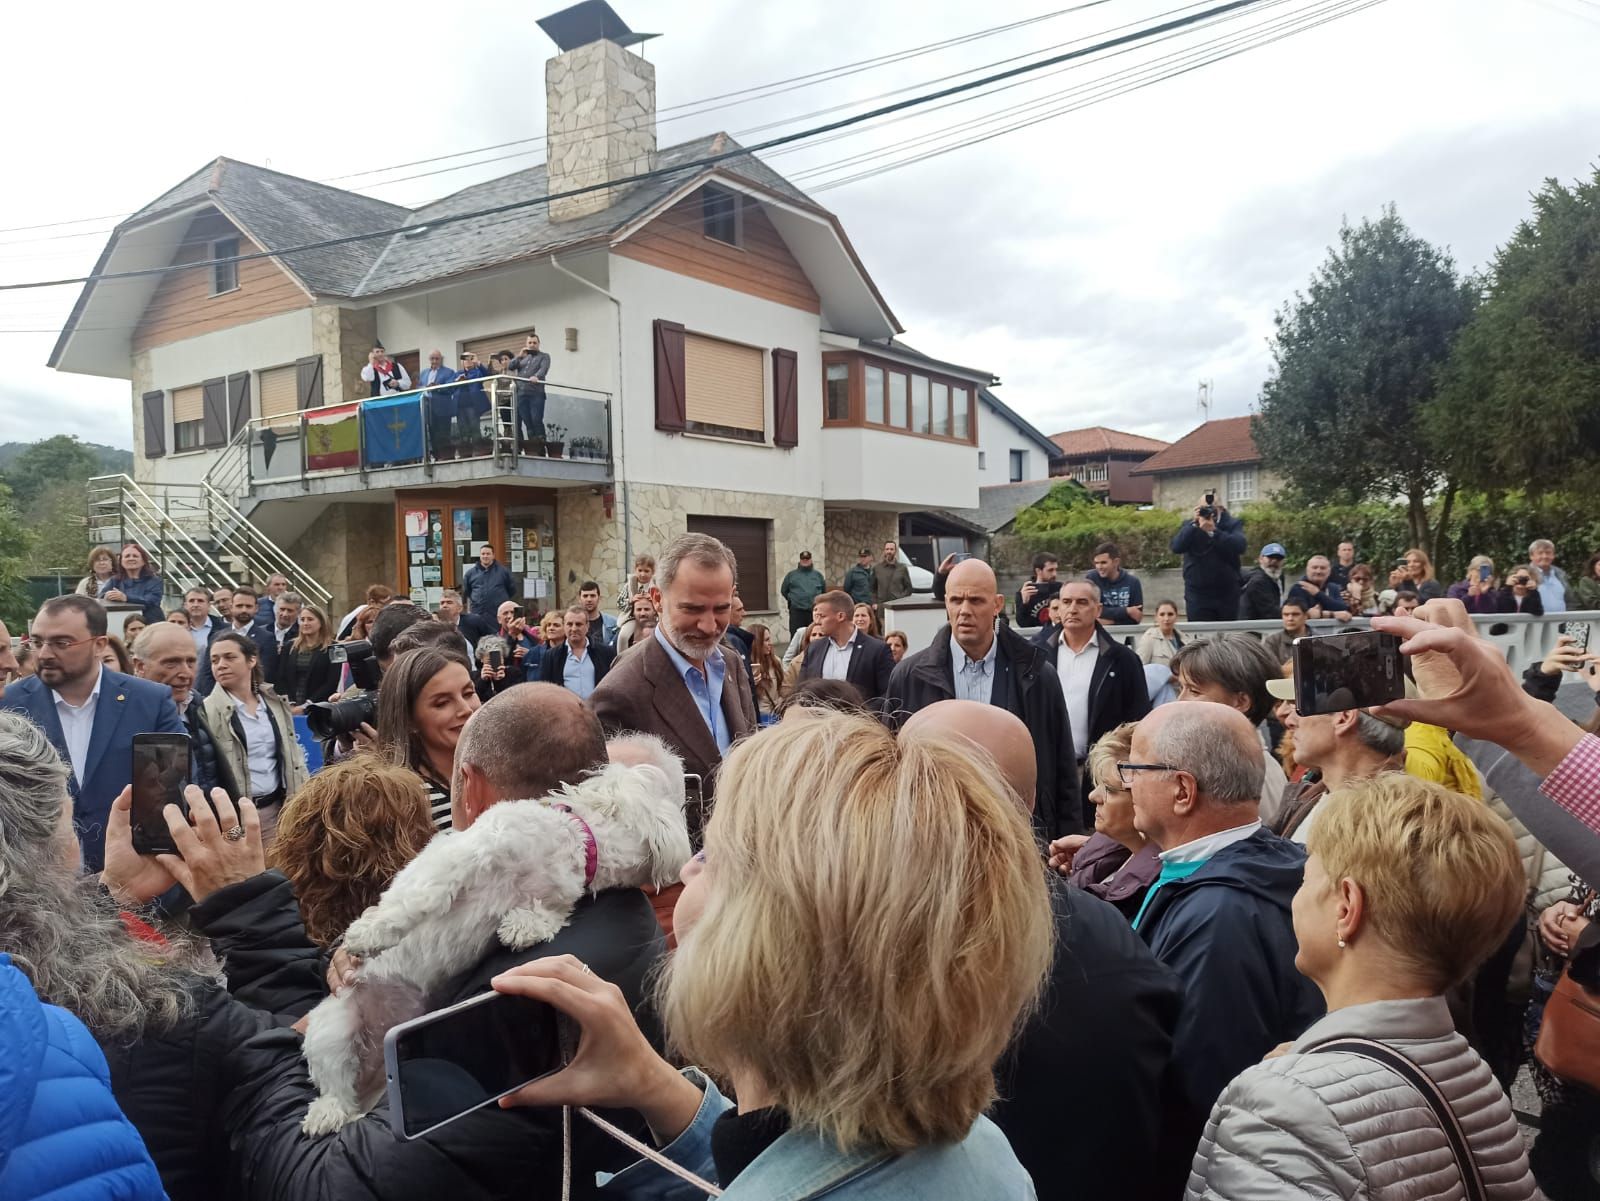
x,y
800,589
858,580
1262,595
1339,748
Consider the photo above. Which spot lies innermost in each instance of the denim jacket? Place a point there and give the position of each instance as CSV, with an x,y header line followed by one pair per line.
x,y
801,1166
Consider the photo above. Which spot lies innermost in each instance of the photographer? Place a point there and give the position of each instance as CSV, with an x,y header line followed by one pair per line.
x,y
1520,593
350,720
426,698
1210,542
1035,595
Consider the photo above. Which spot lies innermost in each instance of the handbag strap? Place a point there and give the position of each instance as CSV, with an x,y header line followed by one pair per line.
x,y
1471,1181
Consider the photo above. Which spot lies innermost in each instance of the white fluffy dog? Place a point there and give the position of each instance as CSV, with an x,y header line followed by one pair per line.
x,y
515,875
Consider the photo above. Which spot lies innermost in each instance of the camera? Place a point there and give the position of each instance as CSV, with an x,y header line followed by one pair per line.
x,y
334,719
1208,512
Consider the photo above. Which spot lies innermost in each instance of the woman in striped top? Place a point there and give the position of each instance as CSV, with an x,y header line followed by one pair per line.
x,y
426,698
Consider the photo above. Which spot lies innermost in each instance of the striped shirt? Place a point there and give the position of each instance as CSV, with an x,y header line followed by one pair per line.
x,y
438,804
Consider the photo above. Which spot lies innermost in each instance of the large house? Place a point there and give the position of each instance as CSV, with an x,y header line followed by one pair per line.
x,y
721,361
1103,459
1217,456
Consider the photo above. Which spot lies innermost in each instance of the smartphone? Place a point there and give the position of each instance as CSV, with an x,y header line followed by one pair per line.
x,y
1211,498
961,556
1578,631
496,660
160,771
1483,572
1335,672
516,611
448,1063
694,801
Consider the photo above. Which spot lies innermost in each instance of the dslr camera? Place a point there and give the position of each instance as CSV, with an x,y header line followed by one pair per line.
x,y
336,719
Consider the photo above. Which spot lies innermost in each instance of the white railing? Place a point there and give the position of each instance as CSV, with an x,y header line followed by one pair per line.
x,y
1522,639
237,537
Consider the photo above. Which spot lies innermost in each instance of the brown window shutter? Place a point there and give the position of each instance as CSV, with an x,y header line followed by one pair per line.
x,y
155,424
215,412
785,399
672,410
308,382
238,402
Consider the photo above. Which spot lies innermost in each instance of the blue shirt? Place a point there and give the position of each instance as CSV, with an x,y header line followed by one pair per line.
x,y
577,673
1553,592
705,687
974,678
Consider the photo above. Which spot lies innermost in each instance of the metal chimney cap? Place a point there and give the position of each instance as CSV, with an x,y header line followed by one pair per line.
x,y
590,21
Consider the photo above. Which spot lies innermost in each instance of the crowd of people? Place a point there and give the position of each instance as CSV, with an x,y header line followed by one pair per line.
x,y
984,917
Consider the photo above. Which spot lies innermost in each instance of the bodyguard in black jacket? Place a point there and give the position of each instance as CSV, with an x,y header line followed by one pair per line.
x,y
1023,682
871,661
1117,691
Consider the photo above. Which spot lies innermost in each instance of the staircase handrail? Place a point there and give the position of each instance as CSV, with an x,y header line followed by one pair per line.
x,y
254,540
138,510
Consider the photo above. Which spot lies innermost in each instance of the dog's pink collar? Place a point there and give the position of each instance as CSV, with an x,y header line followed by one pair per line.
x,y
591,852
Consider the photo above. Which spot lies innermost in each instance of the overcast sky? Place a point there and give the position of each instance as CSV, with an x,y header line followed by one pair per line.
x,y
1101,263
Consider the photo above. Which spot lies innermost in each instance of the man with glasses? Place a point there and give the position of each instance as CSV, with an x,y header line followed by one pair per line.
x,y
1219,912
89,713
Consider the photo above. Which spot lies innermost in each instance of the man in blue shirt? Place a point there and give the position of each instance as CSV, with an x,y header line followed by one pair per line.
x,y
440,405
1121,594
577,664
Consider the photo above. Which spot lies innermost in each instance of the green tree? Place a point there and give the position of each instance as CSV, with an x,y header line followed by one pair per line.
x,y
1521,401
15,544
1356,359
61,533
58,460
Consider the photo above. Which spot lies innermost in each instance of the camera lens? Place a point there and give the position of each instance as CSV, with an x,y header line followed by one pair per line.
x,y
333,719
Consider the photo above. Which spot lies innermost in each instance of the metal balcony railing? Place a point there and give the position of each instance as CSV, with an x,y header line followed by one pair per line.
x,y
422,427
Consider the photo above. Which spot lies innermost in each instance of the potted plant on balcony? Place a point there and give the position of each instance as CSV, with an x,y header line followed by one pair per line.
x,y
587,446
554,440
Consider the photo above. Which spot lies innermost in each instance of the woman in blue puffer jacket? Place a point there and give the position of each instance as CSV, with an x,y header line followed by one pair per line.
x,y
61,1133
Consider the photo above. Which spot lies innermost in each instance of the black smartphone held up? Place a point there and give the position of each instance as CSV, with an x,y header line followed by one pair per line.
x,y
160,771
1211,499
517,612
1578,631
496,660
1335,672
448,1063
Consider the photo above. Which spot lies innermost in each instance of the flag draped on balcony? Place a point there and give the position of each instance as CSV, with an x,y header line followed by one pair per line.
x,y
392,430
333,438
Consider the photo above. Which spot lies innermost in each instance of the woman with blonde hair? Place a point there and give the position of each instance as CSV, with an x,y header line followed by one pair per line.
x,y
1416,568
1408,888
345,836
306,672
856,996
1116,863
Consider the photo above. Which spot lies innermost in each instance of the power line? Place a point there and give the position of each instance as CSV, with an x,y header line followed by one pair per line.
x,y
661,172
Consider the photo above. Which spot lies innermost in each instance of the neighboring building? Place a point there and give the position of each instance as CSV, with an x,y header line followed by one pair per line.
x,y
1010,449
1218,456
1103,459
722,361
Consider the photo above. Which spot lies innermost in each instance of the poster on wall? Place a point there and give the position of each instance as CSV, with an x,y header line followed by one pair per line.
x,y
434,595
463,524
430,575
416,524
517,562
477,548
416,577
514,538
416,541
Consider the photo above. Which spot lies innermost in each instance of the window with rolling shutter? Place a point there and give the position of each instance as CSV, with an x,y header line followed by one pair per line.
x,y
724,389
188,418
278,396
750,540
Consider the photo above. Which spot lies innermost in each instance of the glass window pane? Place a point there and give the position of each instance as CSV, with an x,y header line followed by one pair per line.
x,y
875,395
838,376
897,399
941,408
960,412
919,403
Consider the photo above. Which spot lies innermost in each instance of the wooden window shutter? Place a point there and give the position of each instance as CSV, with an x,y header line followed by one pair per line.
x,y
238,402
785,398
671,409
308,382
155,424
214,404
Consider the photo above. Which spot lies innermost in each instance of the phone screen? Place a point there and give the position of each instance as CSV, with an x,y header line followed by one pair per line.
x,y
1335,672
160,771
495,660
448,1063
1483,571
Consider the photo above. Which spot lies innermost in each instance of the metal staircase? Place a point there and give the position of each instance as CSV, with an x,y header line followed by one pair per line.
x,y
195,534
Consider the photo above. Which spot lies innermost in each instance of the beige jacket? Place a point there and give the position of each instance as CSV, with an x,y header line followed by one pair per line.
x,y
1334,1125
217,713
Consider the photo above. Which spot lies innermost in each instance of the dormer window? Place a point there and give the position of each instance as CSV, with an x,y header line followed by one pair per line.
x,y
720,212
224,276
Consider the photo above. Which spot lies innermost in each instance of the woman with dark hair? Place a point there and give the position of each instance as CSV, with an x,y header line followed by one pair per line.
x,y
427,697
1587,586
1520,592
116,656
345,836
767,671
834,696
102,566
899,645
306,673
135,582
244,737
165,1025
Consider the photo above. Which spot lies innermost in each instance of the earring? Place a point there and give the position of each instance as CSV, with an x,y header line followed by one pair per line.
x,y
1341,944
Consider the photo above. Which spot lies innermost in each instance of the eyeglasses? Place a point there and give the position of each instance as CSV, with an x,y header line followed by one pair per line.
x,y
1125,770
56,644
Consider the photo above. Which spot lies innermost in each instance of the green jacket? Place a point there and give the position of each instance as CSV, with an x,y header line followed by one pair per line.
x,y
890,581
801,587
858,583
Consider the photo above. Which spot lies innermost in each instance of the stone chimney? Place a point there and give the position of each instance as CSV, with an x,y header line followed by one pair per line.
x,y
600,104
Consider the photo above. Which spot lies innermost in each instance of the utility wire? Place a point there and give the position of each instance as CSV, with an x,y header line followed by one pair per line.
x,y
662,172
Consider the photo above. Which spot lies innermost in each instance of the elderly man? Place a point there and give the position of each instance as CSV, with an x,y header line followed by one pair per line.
x,y
9,668
1261,598
165,654
977,657
1313,591
1107,1017
1218,914
847,653
440,404
284,621
1554,588
472,626
1339,748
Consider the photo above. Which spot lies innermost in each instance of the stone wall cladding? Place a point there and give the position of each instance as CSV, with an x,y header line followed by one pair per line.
x,y
1182,490
343,337
142,378
347,548
588,546
847,531
600,102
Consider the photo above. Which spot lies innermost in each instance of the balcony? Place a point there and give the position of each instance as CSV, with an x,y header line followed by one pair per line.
x,y
417,439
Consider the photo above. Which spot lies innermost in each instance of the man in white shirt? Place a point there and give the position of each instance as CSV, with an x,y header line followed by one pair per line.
x,y
285,616
845,652
1219,914
1077,655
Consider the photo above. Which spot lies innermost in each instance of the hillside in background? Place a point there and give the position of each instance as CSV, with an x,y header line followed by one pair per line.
x,y
112,460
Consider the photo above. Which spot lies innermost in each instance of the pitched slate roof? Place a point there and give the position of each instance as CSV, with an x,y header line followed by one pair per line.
x,y
1224,442
1101,440
999,504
